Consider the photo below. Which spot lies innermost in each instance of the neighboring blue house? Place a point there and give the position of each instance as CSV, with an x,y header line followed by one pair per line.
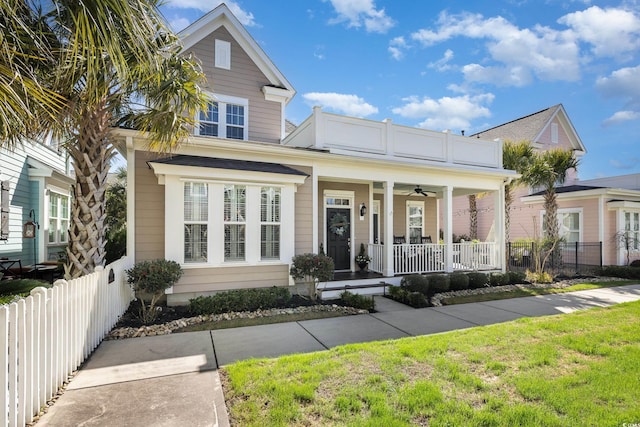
x,y
36,186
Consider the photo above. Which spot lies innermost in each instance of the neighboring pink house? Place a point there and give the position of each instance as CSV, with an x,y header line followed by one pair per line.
x,y
598,210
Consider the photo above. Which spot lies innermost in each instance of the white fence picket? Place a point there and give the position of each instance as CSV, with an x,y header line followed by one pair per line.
x,y
46,336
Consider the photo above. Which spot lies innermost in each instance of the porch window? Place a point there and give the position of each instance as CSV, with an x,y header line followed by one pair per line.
x,y
226,117
58,218
632,229
235,214
415,221
196,217
270,223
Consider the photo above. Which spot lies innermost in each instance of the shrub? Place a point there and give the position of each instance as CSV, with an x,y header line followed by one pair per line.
x,y
541,277
417,300
635,263
416,283
498,279
240,300
516,277
458,281
357,301
622,271
312,268
439,283
477,280
152,277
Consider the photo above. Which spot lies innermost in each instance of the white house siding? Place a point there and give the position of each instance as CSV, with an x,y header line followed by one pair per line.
x,y
243,80
26,194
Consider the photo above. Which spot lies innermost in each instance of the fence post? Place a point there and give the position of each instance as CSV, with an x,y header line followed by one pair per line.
x,y
600,245
576,257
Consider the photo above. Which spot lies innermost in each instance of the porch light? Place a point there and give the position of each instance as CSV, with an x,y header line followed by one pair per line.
x,y
363,209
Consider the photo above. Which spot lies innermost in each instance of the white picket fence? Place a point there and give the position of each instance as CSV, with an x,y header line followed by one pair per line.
x,y
46,336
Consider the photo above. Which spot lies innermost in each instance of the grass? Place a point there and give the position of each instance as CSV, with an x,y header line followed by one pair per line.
x,y
575,369
528,292
18,287
279,318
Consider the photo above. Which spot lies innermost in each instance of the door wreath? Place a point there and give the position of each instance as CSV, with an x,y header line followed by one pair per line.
x,y
339,224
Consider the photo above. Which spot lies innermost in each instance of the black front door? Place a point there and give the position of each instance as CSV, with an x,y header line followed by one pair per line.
x,y
338,237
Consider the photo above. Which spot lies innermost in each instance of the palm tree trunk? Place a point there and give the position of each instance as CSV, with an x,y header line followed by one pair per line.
x,y
551,226
508,201
91,153
473,217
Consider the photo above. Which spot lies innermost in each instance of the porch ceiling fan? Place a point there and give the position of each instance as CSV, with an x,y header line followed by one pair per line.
x,y
419,190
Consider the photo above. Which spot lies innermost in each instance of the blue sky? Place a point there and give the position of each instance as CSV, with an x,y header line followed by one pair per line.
x,y
459,65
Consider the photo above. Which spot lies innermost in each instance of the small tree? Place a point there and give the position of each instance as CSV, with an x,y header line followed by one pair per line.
x,y
152,277
311,269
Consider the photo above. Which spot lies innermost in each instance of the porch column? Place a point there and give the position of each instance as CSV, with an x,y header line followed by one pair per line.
x,y
499,228
447,214
388,228
315,238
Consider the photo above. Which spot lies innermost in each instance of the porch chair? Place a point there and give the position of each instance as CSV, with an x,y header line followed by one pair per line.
x,y
425,239
399,240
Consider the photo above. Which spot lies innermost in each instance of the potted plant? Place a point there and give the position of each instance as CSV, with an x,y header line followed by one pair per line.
x,y
362,259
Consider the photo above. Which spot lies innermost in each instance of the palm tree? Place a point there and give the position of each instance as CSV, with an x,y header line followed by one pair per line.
x,y
115,62
546,170
473,216
515,156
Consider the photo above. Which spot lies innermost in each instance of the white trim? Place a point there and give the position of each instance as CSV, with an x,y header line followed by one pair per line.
x,y
580,213
223,102
222,54
131,201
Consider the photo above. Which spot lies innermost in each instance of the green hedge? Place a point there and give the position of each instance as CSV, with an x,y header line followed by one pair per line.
x,y
498,279
404,296
622,271
439,283
240,300
415,283
362,302
477,280
458,281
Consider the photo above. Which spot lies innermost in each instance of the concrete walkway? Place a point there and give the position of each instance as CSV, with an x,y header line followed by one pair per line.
x,y
172,380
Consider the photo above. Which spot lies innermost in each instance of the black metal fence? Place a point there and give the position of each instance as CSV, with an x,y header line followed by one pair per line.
x,y
565,258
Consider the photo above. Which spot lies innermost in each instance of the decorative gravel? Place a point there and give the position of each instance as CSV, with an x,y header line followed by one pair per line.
x,y
170,327
436,300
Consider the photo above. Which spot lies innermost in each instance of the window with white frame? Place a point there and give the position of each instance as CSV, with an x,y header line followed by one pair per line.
x,y
196,217
58,218
226,117
415,221
569,224
270,204
632,229
235,222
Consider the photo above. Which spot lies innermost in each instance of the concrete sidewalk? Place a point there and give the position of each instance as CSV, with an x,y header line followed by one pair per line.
x,y
173,380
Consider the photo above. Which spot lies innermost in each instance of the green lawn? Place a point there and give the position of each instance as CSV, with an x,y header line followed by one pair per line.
x,y
569,370
528,292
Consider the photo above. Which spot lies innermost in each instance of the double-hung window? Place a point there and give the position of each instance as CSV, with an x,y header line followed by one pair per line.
x,y
415,221
270,222
235,222
632,229
226,117
196,217
58,218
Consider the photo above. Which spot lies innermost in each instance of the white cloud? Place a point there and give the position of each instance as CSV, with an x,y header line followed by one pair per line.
x,y
446,112
178,24
442,64
622,116
245,18
350,105
362,12
622,83
519,53
610,31
628,162
396,46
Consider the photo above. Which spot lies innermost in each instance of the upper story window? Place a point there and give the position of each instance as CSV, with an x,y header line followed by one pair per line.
x,y
226,117
58,218
554,133
222,54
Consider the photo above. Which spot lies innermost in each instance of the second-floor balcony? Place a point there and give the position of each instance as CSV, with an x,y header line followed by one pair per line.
x,y
366,138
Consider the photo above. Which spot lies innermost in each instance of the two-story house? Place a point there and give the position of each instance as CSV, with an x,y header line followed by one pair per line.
x,y
236,202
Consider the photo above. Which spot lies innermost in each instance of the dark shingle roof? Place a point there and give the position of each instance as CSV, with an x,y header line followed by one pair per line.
x,y
242,165
569,189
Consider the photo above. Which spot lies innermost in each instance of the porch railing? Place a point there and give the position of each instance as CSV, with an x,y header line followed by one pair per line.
x,y
430,257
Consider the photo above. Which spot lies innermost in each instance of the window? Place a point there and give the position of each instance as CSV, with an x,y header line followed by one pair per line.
x,y
225,118
569,224
235,213
4,210
415,221
196,216
632,229
222,54
554,133
58,218
270,223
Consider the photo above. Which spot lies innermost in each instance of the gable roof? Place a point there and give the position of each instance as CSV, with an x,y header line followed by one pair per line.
x,y
222,16
218,163
531,127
